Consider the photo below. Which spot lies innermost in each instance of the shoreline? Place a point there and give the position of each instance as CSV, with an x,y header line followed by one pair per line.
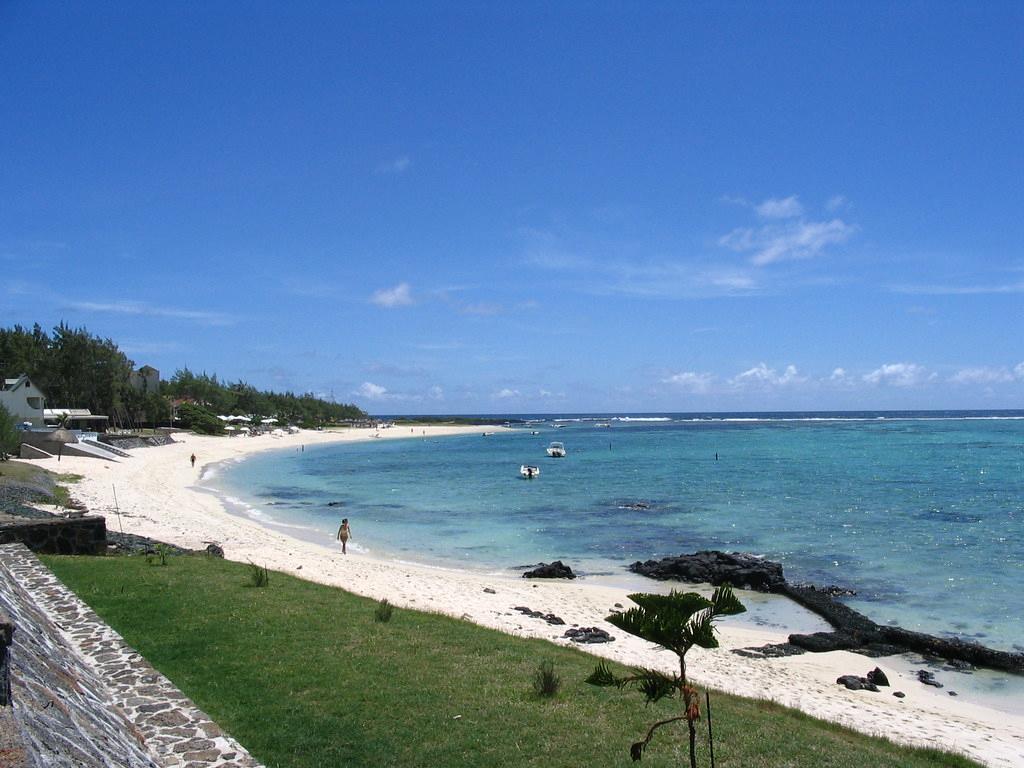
x,y
157,495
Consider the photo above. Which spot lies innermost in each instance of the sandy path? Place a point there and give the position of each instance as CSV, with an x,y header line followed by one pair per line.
x,y
156,497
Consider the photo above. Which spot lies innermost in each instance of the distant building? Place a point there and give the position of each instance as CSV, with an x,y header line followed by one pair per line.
x,y
23,400
145,380
77,418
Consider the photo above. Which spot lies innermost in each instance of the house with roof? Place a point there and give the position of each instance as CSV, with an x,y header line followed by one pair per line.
x,y
23,400
145,380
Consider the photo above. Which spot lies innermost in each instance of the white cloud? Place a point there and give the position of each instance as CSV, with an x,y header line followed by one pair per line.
x,y
779,208
398,165
435,393
838,374
1018,370
958,290
899,375
389,298
372,391
983,375
506,394
143,309
787,241
836,202
689,381
762,376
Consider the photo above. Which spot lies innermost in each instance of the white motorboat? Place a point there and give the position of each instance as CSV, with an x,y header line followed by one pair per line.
x,y
556,450
529,471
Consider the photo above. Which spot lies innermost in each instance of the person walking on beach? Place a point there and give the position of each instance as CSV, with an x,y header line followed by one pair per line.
x,y
343,533
193,459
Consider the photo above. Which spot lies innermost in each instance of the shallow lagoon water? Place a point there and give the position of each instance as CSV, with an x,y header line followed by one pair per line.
x,y
922,514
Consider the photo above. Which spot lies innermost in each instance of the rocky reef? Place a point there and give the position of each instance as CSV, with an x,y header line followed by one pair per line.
x,y
853,630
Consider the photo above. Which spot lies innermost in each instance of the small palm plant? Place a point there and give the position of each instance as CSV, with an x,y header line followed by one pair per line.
x,y
677,621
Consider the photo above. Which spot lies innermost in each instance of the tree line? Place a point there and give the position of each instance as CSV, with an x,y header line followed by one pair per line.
x,y
75,369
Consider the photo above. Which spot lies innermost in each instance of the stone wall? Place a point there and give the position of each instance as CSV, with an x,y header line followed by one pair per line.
x,y
83,698
6,638
59,536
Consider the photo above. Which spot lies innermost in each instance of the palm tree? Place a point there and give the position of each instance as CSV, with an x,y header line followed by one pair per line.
x,y
677,621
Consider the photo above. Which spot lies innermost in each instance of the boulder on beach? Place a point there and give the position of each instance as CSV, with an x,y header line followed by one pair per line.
x,y
737,569
555,570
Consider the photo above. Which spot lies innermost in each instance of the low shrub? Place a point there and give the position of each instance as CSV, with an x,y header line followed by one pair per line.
x,y
383,611
258,577
545,682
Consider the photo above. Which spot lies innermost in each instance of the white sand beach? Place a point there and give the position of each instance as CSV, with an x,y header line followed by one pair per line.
x,y
156,496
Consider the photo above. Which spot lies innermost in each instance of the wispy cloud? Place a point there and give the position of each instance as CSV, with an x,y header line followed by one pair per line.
x,y
483,308
506,394
779,208
836,202
389,298
690,381
900,375
666,279
761,376
143,309
788,241
397,165
986,375
959,290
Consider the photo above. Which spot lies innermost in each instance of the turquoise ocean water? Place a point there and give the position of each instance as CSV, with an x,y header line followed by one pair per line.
x,y
921,513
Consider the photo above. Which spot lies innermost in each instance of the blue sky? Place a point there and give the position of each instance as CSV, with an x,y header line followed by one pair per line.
x,y
482,207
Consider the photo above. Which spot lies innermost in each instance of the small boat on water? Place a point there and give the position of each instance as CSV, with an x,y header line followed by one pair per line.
x,y
529,471
556,450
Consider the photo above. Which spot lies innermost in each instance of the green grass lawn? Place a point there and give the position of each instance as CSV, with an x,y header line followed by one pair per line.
x,y
303,675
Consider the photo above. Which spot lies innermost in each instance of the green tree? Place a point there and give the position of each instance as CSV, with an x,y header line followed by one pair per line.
x,y
199,419
23,351
677,621
9,437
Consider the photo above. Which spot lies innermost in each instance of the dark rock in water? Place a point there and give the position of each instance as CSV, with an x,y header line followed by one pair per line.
x,y
713,567
489,591
335,503
214,550
928,678
820,642
878,650
854,631
588,635
899,694
878,677
953,693
831,590
638,505
555,570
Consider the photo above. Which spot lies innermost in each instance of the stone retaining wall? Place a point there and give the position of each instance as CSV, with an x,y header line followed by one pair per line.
x,y
59,535
84,698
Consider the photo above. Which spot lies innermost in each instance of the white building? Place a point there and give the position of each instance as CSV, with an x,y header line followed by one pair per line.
x,y
23,400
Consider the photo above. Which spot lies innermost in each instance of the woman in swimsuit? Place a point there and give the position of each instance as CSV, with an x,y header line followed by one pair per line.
x,y
343,533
